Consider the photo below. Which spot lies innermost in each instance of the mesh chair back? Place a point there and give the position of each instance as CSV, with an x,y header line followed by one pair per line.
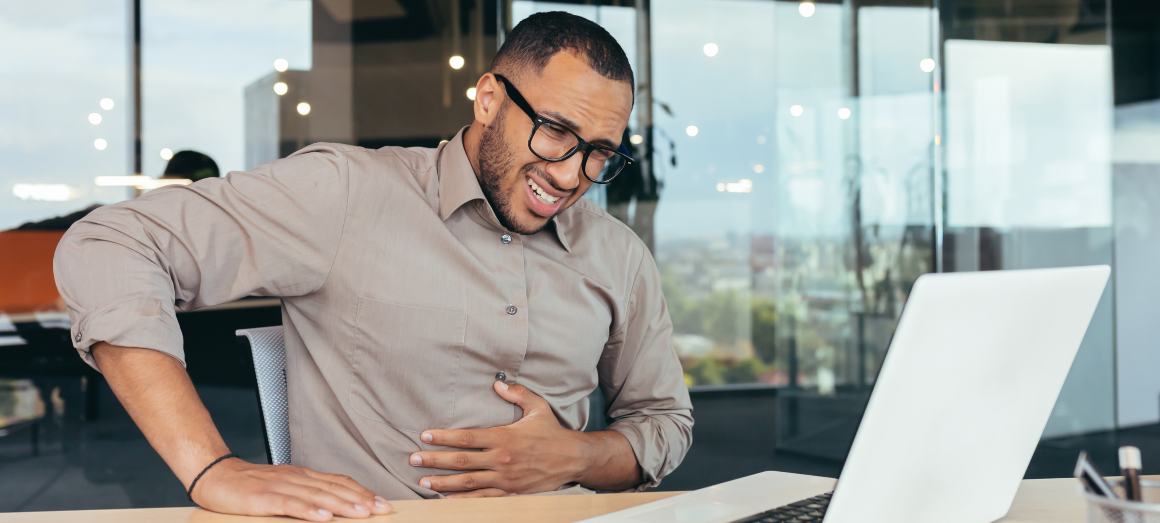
x,y
269,353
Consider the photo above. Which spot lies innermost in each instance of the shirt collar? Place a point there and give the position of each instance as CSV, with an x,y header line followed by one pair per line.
x,y
459,185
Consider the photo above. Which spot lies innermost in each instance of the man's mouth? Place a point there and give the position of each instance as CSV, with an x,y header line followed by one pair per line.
x,y
541,194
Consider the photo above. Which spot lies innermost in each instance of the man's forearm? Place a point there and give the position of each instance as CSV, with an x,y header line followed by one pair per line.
x,y
157,393
611,464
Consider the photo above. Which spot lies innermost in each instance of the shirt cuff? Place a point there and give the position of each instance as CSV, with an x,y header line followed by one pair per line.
x,y
648,445
146,323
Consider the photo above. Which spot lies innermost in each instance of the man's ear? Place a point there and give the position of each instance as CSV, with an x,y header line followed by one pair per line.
x,y
487,99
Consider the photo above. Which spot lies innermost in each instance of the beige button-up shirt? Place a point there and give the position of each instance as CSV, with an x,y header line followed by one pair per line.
x,y
403,297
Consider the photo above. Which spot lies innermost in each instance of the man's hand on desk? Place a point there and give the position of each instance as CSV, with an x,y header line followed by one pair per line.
x,y
237,487
157,392
534,454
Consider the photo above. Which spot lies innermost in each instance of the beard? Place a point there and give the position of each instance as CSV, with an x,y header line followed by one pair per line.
x,y
495,160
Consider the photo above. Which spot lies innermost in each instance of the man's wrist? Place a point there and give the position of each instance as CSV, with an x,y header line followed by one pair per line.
x,y
195,462
609,462
589,445
206,470
601,466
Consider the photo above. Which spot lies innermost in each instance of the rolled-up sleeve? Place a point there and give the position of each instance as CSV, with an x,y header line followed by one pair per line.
x,y
125,269
642,377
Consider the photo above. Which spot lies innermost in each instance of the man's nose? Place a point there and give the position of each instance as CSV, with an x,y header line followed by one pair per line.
x,y
566,174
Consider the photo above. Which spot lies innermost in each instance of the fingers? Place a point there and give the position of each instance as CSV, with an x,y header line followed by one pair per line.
x,y
361,494
318,497
463,439
520,396
481,493
470,460
461,482
363,504
287,505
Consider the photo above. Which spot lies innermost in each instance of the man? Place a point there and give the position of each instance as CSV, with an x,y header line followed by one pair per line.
x,y
446,311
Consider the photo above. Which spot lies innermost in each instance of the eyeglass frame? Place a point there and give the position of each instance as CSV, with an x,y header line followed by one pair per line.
x,y
581,143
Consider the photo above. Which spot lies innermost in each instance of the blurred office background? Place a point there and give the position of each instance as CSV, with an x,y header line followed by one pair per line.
x,y
803,163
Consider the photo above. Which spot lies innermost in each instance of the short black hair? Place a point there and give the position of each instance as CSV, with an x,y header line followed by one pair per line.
x,y
538,38
191,165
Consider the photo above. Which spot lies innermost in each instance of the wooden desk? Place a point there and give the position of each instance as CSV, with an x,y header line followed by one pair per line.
x,y
1040,500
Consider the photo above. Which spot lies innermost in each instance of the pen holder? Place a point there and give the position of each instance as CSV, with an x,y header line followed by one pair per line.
x,y
1108,510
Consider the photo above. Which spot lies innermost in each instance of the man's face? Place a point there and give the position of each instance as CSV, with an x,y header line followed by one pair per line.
x,y
567,91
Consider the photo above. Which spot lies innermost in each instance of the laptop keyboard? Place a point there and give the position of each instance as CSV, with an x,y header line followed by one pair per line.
x,y
811,510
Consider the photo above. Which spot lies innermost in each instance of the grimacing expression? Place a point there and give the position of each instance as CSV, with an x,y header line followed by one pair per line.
x,y
567,91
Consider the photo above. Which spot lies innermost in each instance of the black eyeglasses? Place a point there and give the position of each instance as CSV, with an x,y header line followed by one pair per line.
x,y
553,141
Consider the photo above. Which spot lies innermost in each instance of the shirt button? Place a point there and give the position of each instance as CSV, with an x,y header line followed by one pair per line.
x,y
77,338
505,239
501,376
512,310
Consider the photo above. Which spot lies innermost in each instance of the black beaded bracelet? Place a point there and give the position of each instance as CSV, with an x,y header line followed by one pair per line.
x,y
189,493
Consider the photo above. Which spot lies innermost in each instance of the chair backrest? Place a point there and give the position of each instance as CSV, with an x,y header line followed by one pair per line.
x,y
269,353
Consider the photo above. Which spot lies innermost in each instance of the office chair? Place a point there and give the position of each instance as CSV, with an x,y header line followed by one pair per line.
x,y
269,353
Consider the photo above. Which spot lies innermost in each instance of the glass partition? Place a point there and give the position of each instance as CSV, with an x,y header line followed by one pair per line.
x,y
812,159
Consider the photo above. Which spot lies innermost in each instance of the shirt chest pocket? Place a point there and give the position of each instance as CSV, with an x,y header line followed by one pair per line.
x,y
404,363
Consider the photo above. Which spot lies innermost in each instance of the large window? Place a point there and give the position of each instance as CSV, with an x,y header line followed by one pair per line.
x,y
792,170
812,159
65,111
206,65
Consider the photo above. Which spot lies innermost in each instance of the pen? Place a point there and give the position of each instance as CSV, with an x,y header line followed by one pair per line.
x,y
1091,478
1130,464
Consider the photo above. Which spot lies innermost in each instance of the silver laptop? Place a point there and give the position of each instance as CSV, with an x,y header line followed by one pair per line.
x,y
975,366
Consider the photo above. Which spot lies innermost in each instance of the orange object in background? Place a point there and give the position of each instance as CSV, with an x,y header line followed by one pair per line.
x,y
26,282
